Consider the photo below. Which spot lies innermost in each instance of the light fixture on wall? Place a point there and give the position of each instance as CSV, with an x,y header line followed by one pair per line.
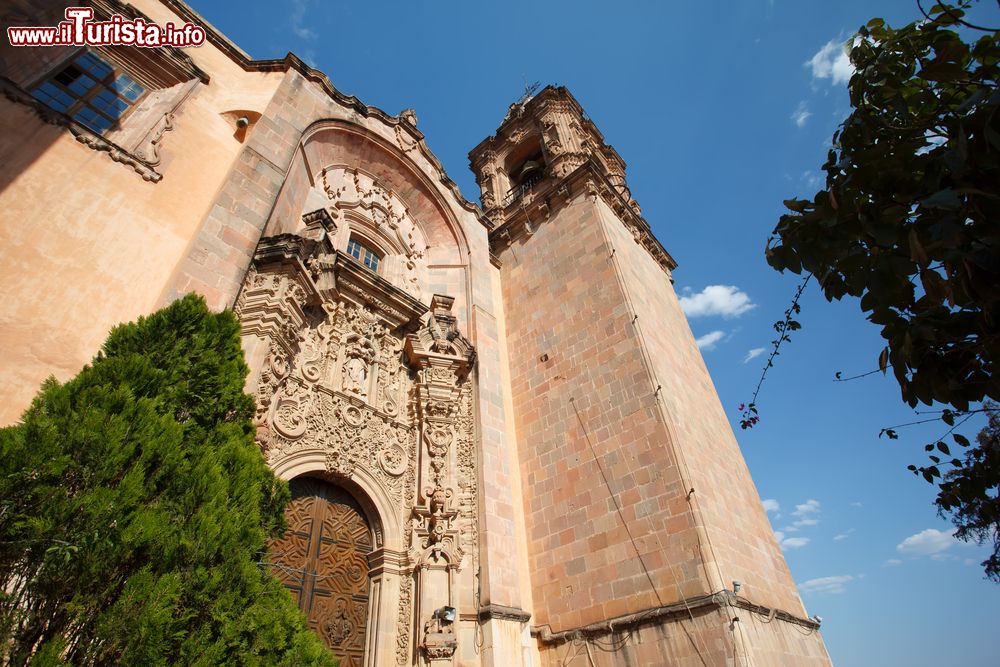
x,y
446,614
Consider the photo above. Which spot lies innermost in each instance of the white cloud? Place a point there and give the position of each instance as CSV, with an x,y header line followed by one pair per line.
x,y
825,584
926,543
725,300
831,62
857,503
297,18
801,114
778,535
811,179
810,506
843,536
807,514
892,562
754,353
794,543
771,505
708,341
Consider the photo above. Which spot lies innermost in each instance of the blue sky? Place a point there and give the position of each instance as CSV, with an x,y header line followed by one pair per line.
x,y
721,110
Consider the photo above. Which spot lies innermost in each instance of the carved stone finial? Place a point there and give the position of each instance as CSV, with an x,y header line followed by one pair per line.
x,y
440,339
408,116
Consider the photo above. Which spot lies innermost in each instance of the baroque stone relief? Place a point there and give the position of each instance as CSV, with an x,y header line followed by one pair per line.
x,y
349,366
340,391
356,194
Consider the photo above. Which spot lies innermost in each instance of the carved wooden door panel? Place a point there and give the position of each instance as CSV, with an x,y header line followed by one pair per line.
x,y
322,560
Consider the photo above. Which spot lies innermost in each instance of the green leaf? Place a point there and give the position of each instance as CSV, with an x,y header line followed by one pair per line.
x,y
946,199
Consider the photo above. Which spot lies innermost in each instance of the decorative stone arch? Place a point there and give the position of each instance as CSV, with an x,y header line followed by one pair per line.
x,y
308,310
380,509
364,150
306,207
389,581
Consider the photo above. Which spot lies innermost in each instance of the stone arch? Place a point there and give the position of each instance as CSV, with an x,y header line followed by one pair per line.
x,y
380,510
443,257
323,559
342,143
389,582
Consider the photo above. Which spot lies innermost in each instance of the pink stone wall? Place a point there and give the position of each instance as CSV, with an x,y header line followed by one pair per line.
x,y
586,419
739,540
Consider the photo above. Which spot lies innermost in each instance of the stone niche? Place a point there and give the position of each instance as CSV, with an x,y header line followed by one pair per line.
x,y
358,382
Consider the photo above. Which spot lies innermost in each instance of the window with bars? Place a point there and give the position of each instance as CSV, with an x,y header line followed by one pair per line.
x,y
89,90
363,254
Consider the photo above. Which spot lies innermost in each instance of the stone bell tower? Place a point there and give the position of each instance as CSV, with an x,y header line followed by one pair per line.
x,y
640,512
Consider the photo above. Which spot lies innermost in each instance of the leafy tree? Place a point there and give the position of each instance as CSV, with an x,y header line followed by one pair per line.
x,y
968,492
909,223
134,506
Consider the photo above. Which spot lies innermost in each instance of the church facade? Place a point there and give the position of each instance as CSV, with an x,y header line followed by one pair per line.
x,y
503,444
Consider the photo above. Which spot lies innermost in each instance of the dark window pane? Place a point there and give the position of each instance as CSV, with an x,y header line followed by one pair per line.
x,y
92,119
94,65
91,91
68,75
82,84
49,94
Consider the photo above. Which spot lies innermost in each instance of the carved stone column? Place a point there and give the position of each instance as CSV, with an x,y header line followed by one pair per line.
x,y
442,358
277,291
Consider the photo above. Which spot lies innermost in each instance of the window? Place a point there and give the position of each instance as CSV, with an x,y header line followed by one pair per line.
x,y
363,254
90,91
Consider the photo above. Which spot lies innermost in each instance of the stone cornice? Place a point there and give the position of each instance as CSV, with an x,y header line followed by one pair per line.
x,y
699,605
366,288
502,613
171,57
325,274
387,561
536,207
440,343
403,123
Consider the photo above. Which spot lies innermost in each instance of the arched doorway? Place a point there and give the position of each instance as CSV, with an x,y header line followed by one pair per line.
x,y
323,560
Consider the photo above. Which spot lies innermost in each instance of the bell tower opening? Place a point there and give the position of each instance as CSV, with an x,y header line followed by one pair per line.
x,y
525,168
323,561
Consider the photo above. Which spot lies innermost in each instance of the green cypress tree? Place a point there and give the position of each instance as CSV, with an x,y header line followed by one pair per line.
x,y
134,508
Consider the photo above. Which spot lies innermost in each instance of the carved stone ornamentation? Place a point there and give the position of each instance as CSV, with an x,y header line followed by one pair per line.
x,y
362,196
338,374
333,378
443,359
404,612
150,149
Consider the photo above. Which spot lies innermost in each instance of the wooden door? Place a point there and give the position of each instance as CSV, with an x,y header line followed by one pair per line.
x,y
322,560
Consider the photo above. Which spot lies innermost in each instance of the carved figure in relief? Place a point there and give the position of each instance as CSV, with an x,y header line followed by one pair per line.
x,y
360,354
339,627
355,376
